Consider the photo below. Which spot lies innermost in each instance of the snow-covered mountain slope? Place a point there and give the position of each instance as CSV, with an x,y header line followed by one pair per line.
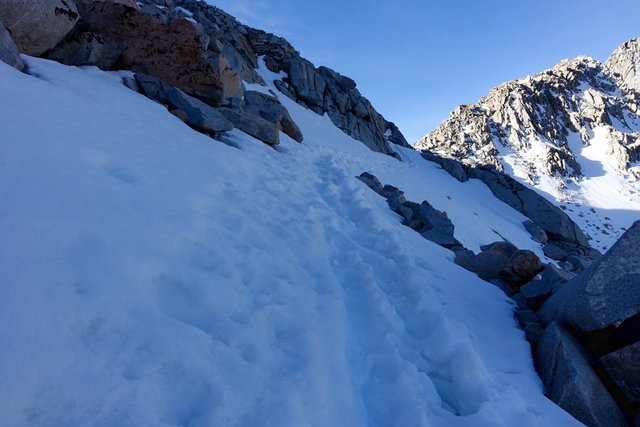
x,y
152,276
571,132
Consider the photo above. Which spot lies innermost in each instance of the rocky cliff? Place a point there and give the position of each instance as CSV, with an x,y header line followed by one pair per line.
x,y
572,131
204,52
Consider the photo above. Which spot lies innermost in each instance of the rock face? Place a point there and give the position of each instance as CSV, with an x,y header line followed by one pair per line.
x,y
623,367
572,383
8,50
38,25
624,63
552,129
606,293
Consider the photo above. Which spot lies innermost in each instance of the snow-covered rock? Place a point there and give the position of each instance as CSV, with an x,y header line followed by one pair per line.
x,y
624,63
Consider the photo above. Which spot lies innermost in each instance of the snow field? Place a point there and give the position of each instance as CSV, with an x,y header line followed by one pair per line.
x,y
152,276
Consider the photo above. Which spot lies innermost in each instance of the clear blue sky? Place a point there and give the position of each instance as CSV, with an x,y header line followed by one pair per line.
x,y
417,60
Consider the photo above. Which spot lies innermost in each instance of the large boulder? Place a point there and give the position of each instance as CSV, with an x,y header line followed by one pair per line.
x,y
8,50
38,25
606,293
269,108
253,125
571,382
437,226
194,112
623,367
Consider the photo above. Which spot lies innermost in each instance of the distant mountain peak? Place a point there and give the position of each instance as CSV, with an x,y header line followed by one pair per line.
x,y
559,131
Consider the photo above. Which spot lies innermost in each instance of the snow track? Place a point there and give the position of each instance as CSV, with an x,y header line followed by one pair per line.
x,y
154,277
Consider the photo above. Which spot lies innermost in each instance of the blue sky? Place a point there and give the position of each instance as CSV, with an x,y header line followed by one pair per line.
x,y
417,60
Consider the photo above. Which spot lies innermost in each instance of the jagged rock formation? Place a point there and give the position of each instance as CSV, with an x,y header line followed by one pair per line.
x,y
557,131
624,64
208,54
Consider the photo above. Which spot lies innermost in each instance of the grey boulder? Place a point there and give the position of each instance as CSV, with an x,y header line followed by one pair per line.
x,y
571,382
489,261
191,110
623,367
270,109
38,25
253,125
604,294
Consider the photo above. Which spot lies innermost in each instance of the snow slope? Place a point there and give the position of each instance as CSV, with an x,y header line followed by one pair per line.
x,y
152,276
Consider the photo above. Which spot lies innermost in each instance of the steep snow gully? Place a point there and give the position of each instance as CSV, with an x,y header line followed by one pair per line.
x,y
153,276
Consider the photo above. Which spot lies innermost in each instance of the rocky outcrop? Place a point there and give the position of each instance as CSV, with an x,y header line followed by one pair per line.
x,y
432,224
38,25
173,49
208,54
565,368
606,293
548,223
8,51
624,64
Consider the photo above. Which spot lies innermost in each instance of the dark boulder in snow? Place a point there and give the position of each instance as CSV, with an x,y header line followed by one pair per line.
x,y
565,368
488,263
604,294
523,266
8,50
38,25
193,111
371,181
